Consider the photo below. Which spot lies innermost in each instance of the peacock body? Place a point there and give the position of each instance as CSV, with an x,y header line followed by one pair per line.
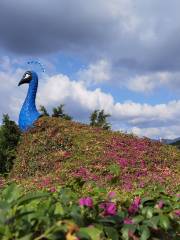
x,y
29,114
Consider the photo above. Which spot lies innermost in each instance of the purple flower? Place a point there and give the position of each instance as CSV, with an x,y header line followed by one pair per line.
x,y
88,202
128,221
109,208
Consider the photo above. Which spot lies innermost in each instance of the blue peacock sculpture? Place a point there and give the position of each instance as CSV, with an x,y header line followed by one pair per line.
x,y
29,114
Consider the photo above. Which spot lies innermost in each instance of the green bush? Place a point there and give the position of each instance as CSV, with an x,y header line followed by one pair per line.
x,y
60,214
9,137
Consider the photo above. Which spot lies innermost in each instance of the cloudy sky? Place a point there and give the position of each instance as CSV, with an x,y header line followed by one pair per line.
x,y
122,56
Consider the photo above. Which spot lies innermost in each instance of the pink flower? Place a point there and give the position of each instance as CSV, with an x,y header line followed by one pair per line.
x,y
109,208
128,221
161,204
135,205
111,195
137,201
123,162
177,212
52,189
88,202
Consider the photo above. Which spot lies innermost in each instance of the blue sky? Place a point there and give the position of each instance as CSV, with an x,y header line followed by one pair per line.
x,y
119,55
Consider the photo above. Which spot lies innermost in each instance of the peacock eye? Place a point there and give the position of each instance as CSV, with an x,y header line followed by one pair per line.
x,y
26,76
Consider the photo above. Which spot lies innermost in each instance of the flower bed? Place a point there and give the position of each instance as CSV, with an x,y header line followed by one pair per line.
x,y
60,213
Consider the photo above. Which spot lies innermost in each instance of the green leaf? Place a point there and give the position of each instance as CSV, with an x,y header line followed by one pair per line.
x,y
83,235
59,209
107,220
164,222
30,197
147,200
145,233
112,233
11,193
93,232
27,237
17,216
114,169
138,219
126,229
153,222
148,212
4,205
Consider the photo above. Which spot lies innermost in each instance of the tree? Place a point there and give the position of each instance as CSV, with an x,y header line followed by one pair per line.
x,y
59,112
9,138
93,118
43,111
99,119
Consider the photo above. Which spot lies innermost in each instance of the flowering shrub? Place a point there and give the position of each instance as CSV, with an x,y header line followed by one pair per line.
x,y
75,152
61,214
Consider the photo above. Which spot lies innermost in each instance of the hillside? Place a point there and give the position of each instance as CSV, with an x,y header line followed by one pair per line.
x,y
177,144
59,151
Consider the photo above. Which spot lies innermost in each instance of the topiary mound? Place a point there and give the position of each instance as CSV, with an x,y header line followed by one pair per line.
x,y
59,151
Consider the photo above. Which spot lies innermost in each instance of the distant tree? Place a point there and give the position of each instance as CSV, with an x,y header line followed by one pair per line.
x,y
99,119
43,110
93,118
9,137
59,112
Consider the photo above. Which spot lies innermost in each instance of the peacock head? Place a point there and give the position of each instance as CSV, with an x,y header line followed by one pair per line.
x,y
28,77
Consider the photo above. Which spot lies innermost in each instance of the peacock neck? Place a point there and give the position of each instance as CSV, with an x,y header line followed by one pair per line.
x,y
31,95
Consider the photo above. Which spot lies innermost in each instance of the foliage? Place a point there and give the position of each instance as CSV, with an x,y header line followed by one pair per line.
x,y
9,137
59,112
44,111
71,153
99,119
177,144
60,214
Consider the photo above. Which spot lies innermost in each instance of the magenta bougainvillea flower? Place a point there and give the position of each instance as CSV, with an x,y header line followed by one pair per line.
x,y
128,221
135,205
161,204
109,208
177,212
52,189
88,202
111,195
123,162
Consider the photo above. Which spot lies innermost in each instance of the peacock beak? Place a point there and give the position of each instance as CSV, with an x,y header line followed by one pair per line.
x,y
23,81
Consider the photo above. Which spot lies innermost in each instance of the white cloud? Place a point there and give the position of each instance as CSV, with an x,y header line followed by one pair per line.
x,y
151,81
142,119
60,88
96,73
146,83
170,132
